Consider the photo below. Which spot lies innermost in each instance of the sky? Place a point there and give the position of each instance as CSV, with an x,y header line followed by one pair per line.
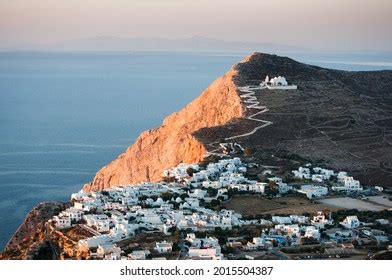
x,y
317,24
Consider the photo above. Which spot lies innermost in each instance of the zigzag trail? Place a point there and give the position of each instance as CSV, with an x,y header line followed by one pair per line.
x,y
249,98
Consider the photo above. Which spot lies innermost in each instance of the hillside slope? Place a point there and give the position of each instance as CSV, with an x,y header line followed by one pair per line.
x,y
173,142
342,119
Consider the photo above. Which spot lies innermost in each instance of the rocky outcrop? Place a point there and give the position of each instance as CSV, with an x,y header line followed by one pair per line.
x,y
340,118
30,240
173,142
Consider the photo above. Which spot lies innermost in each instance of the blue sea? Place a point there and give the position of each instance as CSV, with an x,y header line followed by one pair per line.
x,y
65,115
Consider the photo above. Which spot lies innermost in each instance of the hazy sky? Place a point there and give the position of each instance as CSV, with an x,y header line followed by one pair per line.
x,y
318,24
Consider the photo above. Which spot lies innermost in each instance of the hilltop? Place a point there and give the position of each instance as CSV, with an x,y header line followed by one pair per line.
x,y
340,119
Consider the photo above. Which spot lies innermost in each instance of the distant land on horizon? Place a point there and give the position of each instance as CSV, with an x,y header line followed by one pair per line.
x,y
195,43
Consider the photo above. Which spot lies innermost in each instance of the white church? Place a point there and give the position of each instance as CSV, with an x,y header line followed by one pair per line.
x,y
277,83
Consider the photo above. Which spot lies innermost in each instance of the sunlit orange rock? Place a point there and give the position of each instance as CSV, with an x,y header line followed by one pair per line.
x,y
173,142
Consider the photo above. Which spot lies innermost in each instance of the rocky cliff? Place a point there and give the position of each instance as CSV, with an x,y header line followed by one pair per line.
x,y
339,118
173,142
30,240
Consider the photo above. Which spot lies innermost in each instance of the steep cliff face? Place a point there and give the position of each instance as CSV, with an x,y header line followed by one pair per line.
x,y
173,142
30,240
310,122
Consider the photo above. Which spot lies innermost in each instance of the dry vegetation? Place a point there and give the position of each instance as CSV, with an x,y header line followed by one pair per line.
x,y
252,205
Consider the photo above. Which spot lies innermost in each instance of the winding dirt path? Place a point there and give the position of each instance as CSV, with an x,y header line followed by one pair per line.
x,y
249,98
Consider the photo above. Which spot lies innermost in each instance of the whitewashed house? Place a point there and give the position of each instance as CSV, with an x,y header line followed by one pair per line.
x,y
302,173
289,230
319,178
312,232
259,241
351,184
198,193
351,222
62,221
109,251
74,214
276,180
319,220
257,187
281,220
207,242
312,191
94,241
347,183
164,247
383,221
284,188
211,184
277,83
341,174
100,222
205,253
138,255
299,219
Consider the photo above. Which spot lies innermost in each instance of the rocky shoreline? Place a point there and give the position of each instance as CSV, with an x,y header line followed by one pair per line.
x,y
29,241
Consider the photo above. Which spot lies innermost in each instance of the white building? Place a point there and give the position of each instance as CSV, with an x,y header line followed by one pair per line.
x,y
65,218
347,183
383,221
350,183
259,241
351,222
299,219
312,191
326,172
304,170
281,220
312,232
94,241
62,221
74,214
276,180
205,253
341,174
277,83
102,226
211,184
180,171
198,193
257,187
109,251
318,178
207,242
289,230
284,188
303,173
138,255
320,220
164,247
100,222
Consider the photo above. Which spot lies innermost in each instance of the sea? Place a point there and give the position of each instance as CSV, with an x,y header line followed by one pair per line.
x,y
64,115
